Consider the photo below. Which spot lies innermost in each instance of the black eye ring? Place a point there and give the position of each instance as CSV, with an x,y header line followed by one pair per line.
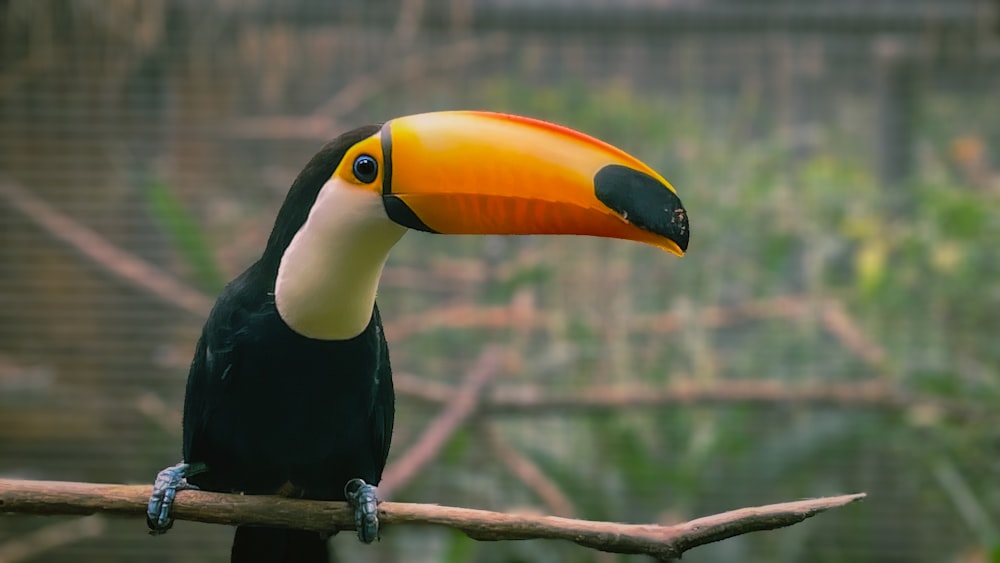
x,y
365,168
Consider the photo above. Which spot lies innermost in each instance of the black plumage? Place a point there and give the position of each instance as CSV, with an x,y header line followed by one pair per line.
x,y
268,410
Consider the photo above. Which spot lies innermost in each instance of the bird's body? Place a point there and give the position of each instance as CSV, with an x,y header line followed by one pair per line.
x,y
290,390
272,412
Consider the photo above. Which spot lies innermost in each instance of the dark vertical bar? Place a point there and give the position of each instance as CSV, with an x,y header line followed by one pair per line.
x,y
896,95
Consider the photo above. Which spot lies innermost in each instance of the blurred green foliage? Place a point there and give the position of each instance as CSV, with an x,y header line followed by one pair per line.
x,y
774,212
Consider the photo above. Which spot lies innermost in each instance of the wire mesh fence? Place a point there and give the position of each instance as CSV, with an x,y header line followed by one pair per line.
x,y
830,331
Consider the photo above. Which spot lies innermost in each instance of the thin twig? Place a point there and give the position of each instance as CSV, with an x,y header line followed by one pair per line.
x,y
529,473
529,398
537,399
452,56
831,314
840,324
326,119
408,22
125,265
661,542
420,388
463,316
462,405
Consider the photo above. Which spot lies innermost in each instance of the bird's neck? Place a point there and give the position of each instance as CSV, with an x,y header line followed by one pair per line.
x,y
329,273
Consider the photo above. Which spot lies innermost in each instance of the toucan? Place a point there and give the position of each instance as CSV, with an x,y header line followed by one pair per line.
x,y
290,389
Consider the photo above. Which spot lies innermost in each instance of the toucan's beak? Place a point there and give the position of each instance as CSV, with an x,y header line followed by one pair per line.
x,y
488,173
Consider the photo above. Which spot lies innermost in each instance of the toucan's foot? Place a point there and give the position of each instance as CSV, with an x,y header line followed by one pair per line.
x,y
361,496
168,482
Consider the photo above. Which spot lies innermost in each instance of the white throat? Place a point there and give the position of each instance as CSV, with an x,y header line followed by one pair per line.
x,y
329,273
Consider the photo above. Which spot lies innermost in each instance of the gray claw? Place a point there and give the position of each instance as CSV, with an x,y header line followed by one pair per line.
x,y
168,482
361,496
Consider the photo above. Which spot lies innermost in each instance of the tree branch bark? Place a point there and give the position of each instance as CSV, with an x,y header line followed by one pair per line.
x,y
661,542
322,123
125,265
532,399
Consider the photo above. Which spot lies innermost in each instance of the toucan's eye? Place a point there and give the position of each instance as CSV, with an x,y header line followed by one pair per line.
x,y
365,169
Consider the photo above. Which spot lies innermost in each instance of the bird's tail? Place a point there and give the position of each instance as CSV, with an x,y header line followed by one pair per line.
x,y
277,545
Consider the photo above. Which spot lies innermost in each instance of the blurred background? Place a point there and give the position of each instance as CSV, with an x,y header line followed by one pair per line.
x,y
832,329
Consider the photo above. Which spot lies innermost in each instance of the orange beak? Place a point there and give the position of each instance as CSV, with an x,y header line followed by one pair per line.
x,y
470,172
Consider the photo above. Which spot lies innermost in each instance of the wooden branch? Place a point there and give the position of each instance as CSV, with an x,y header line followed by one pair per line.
x,y
114,259
831,314
408,18
528,399
694,392
661,542
328,118
463,316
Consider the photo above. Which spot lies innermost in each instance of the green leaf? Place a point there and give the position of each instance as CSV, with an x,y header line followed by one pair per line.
x,y
186,235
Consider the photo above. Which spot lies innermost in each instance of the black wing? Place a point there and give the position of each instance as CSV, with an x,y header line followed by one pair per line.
x,y
216,364
384,408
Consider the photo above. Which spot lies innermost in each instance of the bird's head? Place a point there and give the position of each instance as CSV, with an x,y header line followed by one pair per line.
x,y
460,172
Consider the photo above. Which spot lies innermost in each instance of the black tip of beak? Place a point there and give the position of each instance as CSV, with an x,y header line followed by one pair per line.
x,y
643,201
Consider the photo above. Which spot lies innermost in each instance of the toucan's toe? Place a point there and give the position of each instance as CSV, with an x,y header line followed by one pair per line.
x,y
168,482
362,497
